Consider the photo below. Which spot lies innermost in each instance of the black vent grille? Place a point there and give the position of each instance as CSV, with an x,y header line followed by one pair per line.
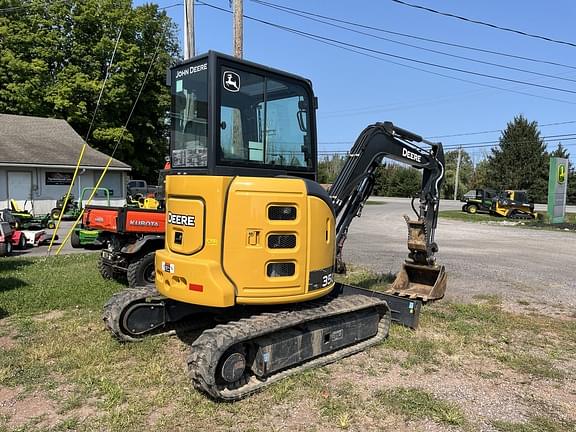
x,y
281,213
281,269
281,241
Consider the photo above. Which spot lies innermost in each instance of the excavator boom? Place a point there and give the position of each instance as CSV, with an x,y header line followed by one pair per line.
x,y
419,277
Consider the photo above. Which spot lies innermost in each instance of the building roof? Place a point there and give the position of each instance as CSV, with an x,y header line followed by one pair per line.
x,y
37,141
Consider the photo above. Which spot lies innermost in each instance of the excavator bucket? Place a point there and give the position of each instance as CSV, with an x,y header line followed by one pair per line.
x,y
422,282
419,281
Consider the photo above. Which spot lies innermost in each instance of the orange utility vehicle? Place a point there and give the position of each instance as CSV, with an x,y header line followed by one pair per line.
x,y
132,236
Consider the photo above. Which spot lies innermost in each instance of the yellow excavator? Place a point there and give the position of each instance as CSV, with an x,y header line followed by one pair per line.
x,y
253,241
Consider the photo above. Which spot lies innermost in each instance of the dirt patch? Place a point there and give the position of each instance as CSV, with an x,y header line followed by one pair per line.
x,y
7,342
23,409
49,316
483,389
86,411
156,415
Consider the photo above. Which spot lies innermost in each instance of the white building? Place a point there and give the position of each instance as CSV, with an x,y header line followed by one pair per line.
x,y
37,161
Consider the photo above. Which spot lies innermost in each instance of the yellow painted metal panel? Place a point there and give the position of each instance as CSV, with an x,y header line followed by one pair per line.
x,y
321,229
185,224
182,274
248,227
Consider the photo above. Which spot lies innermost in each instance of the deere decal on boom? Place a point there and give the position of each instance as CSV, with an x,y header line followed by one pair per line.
x,y
253,241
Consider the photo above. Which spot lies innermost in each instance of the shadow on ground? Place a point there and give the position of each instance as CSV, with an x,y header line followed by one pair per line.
x,y
9,283
7,265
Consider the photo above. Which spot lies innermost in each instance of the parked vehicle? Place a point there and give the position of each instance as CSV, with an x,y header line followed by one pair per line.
x,y
478,200
139,188
73,206
81,236
23,219
252,241
131,235
513,204
21,239
5,239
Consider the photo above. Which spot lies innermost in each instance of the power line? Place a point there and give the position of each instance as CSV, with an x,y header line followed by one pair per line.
x,y
407,35
548,138
9,9
485,146
297,12
545,139
496,77
318,37
306,16
494,26
496,130
455,147
432,72
171,6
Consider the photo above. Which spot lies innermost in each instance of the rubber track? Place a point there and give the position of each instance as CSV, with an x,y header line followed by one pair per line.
x,y
113,308
522,216
213,343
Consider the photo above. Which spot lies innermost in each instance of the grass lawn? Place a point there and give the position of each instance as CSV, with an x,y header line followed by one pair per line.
x,y
570,223
470,367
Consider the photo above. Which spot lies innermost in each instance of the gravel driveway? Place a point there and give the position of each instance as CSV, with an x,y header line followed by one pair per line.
x,y
520,265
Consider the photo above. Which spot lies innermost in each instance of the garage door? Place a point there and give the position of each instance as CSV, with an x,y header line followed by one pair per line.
x,y
20,187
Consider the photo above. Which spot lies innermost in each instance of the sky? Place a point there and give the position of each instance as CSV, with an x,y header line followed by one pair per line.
x,y
357,87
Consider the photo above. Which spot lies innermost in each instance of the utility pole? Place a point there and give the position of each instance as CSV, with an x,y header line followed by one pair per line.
x,y
457,173
237,140
189,49
238,30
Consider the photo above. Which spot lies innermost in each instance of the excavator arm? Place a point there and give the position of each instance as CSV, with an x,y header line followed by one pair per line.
x,y
355,182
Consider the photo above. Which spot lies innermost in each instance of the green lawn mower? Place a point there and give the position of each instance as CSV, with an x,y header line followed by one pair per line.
x,y
74,207
85,238
23,219
479,200
81,237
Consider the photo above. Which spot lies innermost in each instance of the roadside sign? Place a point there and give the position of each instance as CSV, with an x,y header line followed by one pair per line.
x,y
557,188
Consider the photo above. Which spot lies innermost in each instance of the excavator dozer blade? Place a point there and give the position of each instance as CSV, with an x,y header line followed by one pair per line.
x,y
422,282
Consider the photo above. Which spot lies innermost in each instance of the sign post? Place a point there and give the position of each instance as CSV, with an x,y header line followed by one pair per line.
x,y
557,188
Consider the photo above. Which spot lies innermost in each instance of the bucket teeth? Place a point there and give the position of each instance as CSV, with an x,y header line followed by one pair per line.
x,y
423,282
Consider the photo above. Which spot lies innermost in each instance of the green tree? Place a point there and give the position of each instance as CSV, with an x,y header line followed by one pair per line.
x,y
54,58
397,181
329,167
520,161
480,177
465,174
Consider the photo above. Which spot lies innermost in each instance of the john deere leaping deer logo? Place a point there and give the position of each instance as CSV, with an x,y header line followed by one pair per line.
x,y
561,173
231,81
